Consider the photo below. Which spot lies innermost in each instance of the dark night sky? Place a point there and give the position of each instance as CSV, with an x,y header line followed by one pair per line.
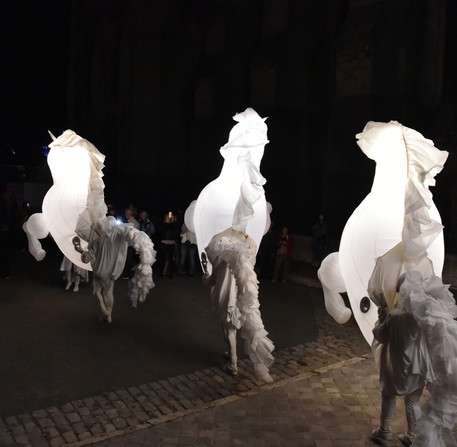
x,y
35,54
34,49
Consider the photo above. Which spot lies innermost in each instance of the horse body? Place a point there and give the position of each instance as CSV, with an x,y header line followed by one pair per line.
x,y
70,163
240,181
374,228
229,219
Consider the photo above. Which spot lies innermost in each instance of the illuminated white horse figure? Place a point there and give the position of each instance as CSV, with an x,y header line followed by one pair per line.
x,y
70,159
229,219
236,197
74,212
406,165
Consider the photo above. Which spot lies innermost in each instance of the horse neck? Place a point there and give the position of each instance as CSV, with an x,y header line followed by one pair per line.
x,y
390,179
232,169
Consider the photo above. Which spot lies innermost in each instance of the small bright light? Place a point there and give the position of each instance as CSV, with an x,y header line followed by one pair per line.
x,y
118,221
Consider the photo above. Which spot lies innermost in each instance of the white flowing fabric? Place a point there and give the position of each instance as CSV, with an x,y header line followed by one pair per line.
x,y
434,309
107,254
423,296
240,305
406,165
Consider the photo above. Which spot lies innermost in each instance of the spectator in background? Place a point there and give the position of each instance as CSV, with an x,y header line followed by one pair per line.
x,y
73,274
111,210
319,240
188,252
146,224
168,243
130,218
284,247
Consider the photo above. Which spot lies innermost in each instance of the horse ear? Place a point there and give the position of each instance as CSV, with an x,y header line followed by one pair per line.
x,y
52,136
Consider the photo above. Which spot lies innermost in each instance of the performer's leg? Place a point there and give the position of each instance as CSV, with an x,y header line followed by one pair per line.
x,y
230,334
413,414
387,414
68,278
108,295
77,279
97,290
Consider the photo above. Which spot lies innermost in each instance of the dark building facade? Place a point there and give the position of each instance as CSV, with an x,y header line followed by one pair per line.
x,y
154,85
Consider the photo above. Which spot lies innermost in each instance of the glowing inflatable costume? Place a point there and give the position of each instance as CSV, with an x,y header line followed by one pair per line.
x,y
406,165
74,212
229,218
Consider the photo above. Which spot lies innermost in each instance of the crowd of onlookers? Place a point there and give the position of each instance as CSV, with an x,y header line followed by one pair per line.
x,y
176,246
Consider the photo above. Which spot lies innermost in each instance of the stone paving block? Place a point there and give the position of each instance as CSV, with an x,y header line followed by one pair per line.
x,y
89,401
18,440
141,416
11,421
51,432
97,429
124,412
119,423
111,413
84,436
69,437
46,422
109,428
67,408
18,430
79,427
58,441
89,420
73,417
6,439
134,390
83,411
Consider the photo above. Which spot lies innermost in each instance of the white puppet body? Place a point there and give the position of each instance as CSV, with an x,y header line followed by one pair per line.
x,y
227,200
71,160
377,224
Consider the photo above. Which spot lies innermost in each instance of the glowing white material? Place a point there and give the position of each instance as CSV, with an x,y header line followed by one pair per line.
x,y
234,291
69,160
236,198
406,165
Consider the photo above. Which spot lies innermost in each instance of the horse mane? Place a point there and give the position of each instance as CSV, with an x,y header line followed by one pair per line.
x,y
425,161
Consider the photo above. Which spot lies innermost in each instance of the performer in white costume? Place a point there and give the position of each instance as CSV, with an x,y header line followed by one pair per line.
x,y
74,212
73,274
416,336
229,219
106,254
234,292
406,165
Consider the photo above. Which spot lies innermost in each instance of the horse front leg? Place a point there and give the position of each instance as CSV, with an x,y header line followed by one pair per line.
x,y
333,285
36,228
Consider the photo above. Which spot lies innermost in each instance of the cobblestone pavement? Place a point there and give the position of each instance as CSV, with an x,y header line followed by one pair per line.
x,y
325,393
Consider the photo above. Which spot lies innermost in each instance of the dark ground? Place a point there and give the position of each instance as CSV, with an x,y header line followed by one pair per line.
x,y
54,350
